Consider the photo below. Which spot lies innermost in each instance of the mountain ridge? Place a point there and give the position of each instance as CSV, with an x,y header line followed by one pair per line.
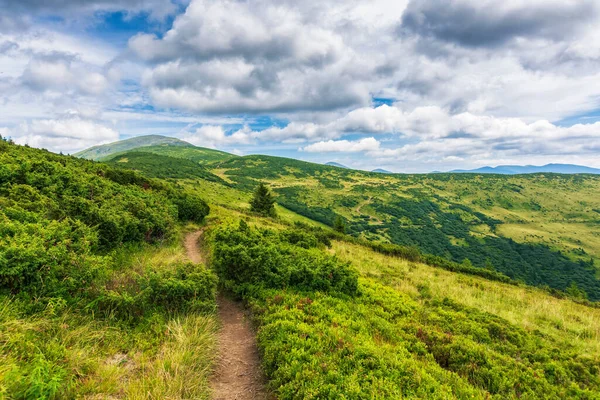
x,y
335,164
531,169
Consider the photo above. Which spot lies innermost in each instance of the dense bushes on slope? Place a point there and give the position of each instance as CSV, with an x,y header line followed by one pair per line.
x,y
320,342
430,229
79,286
59,216
248,259
445,238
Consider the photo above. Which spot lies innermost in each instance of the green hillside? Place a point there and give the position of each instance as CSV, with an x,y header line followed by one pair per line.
x,y
155,144
399,329
423,296
93,279
160,166
105,150
199,155
539,228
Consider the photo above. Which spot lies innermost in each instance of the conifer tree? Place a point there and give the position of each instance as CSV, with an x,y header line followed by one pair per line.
x,y
339,225
263,201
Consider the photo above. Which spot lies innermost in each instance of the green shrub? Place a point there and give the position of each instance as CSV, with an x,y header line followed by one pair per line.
x,y
245,257
48,259
191,208
190,287
184,287
60,217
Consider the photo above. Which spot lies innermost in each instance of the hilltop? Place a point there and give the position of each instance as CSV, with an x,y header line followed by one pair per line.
x,y
156,144
334,164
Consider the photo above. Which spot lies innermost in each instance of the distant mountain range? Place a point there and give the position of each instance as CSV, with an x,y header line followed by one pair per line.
x,y
378,170
173,147
532,169
334,164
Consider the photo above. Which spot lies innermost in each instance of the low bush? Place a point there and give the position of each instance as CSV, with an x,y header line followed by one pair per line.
x,y
247,258
189,287
184,287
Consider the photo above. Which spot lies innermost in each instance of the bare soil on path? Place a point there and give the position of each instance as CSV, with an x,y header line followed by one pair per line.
x,y
238,374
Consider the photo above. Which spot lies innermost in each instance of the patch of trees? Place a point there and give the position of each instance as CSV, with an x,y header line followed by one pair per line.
x,y
535,264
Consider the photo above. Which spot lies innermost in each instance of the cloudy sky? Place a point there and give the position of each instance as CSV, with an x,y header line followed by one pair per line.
x,y
409,86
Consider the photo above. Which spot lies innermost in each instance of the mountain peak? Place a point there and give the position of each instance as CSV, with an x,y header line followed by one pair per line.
x,y
334,164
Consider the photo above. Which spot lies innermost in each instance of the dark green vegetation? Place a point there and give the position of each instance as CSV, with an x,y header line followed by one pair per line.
x,y
69,229
262,202
326,334
164,167
60,216
248,260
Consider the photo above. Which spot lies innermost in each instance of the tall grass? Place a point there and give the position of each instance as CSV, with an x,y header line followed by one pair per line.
x,y
571,324
80,351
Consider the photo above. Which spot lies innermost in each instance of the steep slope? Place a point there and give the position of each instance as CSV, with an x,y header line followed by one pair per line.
x,y
92,273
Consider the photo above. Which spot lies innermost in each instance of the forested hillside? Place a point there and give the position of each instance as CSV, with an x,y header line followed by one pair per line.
x,y
540,229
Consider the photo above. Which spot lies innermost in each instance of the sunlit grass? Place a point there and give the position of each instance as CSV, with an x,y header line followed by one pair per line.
x,y
98,356
568,323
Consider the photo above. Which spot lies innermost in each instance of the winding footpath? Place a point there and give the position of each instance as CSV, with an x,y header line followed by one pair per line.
x,y
238,374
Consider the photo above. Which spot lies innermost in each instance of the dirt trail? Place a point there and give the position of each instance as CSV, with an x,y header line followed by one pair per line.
x,y
192,248
238,374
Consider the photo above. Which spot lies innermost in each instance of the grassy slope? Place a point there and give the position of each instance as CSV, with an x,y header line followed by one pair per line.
x,y
105,150
198,155
155,144
457,216
99,355
160,166
532,202
88,258
552,218
421,332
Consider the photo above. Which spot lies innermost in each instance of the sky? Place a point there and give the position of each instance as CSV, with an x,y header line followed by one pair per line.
x,y
404,85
